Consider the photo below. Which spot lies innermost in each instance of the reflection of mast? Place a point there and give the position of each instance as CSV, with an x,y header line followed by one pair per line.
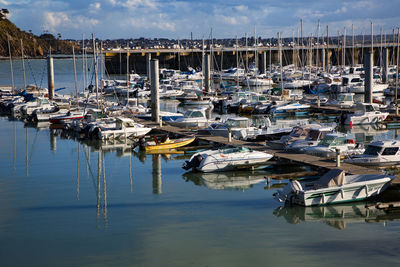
x,y
87,160
157,174
77,174
15,144
104,192
26,152
98,182
130,171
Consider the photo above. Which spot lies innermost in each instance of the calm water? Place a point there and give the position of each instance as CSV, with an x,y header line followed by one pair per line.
x,y
144,210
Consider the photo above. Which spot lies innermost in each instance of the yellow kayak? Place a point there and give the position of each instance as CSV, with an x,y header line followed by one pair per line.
x,y
168,144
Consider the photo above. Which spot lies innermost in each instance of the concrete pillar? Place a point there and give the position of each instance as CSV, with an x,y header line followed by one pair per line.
x,y
385,65
155,98
323,58
207,72
263,62
50,76
148,71
368,66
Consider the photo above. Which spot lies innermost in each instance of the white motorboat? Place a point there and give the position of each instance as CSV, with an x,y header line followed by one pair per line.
x,y
344,100
226,159
378,153
239,126
333,187
314,136
299,132
294,107
366,114
124,128
193,118
332,141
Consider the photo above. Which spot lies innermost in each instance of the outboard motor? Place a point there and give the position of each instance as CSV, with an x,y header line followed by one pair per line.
x,y
195,162
139,143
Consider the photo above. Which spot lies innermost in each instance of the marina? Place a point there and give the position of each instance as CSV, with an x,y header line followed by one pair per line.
x,y
227,162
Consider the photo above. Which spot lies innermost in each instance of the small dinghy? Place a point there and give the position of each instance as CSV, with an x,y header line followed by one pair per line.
x,y
165,143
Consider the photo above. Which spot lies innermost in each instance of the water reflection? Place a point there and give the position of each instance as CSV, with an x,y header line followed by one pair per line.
x,y
156,167
337,216
241,180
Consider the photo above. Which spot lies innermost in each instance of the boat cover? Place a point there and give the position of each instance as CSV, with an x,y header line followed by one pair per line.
x,y
332,178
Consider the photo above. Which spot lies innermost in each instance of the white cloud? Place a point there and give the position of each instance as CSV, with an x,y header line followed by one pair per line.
x,y
56,21
94,7
241,8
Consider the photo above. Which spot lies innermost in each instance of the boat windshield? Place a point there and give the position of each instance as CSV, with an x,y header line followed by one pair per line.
x,y
372,150
390,151
313,135
195,114
236,123
296,132
344,97
330,140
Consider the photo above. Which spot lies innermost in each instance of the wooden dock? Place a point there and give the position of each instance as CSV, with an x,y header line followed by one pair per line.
x,y
313,161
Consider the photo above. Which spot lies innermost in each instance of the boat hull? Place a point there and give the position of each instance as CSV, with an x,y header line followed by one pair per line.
x,y
166,146
347,193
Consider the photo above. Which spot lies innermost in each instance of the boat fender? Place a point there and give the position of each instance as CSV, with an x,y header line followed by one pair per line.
x,y
342,193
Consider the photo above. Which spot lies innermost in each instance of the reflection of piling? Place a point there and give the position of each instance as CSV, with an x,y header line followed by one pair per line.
x,y
155,98
157,182
50,77
53,140
368,65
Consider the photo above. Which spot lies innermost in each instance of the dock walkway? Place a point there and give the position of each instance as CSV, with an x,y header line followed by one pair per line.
x,y
313,161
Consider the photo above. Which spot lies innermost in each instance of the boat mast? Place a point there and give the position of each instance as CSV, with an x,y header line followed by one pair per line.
x,y
352,44
280,60
95,71
83,62
344,49
11,63
127,76
76,80
317,54
327,48
397,71
23,62
237,61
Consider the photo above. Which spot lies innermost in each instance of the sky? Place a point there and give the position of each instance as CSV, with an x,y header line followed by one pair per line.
x,y
176,19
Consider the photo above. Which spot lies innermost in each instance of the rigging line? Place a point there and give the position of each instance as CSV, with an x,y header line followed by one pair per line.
x,y
41,79
33,74
32,146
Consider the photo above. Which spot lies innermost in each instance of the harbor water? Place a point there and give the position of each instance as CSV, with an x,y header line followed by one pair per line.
x,y
68,202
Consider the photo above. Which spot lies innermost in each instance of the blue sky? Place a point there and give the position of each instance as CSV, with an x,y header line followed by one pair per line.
x,y
111,19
